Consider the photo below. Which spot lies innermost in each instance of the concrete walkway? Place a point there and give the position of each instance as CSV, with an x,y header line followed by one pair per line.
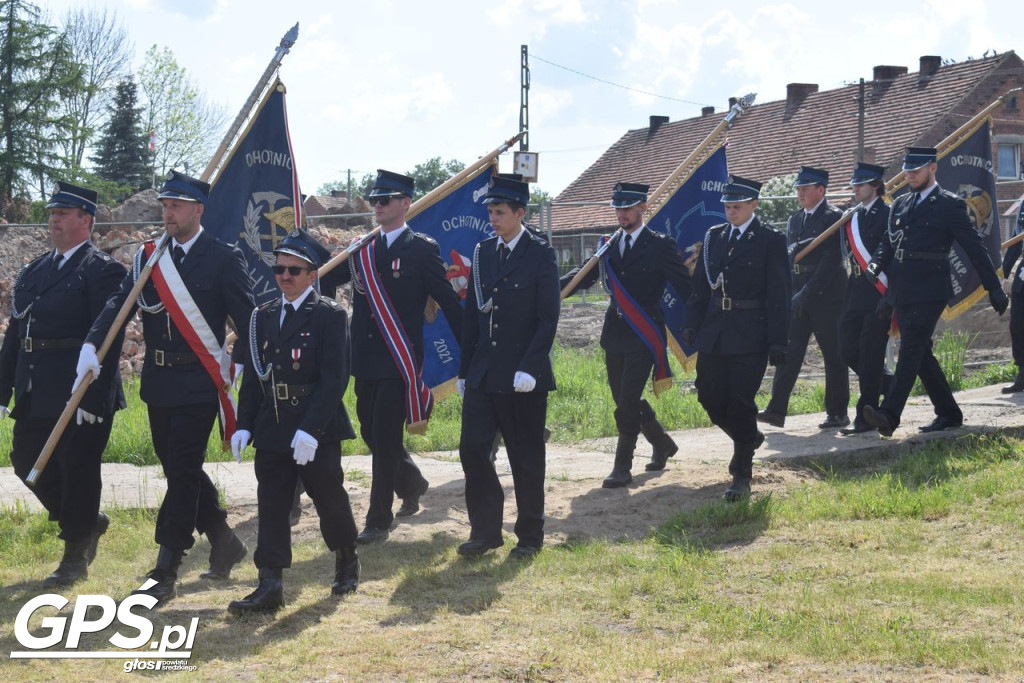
x,y
985,410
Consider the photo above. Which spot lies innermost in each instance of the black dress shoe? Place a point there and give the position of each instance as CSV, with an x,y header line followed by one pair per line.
x,y
738,489
834,421
372,535
774,419
161,582
268,596
879,420
617,479
857,428
346,571
940,423
224,555
411,505
73,565
1016,387
524,552
475,547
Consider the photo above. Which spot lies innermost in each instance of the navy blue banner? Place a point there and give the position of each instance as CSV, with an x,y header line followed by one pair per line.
x,y
693,208
457,221
255,200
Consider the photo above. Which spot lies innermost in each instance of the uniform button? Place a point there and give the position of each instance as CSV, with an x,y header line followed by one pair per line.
x,y
31,367
495,308
494,326
277,367
495,289
369,336
494,343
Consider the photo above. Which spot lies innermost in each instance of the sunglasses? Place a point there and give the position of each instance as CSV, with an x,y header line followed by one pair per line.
x,y
294,271
383,201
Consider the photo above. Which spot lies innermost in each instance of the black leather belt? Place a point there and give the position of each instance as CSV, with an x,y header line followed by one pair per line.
x,y
285,392
728,304
907,255
166,359
30,344
799,268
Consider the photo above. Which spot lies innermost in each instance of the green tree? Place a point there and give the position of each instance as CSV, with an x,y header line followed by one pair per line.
x,y
778,211
538,198
432,173
122,152
186,125
37,72
99,42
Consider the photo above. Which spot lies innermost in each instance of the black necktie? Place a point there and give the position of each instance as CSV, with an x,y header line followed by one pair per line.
x,y
502,254
914,198
626,245
288,311
55,263
177,255
734,237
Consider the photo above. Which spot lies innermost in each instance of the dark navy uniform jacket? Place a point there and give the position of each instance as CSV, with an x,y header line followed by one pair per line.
x,y
652,262
518,332
861,295
757,273
64,306
310,359
923,236
216,276
410,271
821,271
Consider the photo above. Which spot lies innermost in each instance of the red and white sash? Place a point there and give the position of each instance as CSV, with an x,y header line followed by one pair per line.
x,y
189,320
860,253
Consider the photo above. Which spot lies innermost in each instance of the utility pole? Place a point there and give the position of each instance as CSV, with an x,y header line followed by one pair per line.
x,y
348,192
524,98
860,121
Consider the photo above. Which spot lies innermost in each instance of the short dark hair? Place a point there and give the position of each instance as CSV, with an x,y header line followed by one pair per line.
x,y
879,186
512,206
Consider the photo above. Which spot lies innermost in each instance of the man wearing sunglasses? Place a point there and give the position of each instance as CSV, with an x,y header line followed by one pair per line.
x,y
291,406
387,358
198,283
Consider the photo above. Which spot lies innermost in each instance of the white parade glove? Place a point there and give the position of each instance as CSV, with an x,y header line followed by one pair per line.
x,y
87,362
524,382
303,447
460,386
4,412
85,416
237,384
239,440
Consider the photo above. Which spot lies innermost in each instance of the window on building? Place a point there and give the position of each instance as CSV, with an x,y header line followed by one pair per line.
x,y
1009,161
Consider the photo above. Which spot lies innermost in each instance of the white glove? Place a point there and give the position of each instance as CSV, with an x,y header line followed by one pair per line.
x,y
524,382
87,362
237,383
85,416
4,412
239,440
303,447
460,386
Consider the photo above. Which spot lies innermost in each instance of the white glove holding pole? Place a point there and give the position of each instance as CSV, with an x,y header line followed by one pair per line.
x,y
85,416
303,447
87,362
460,386
524,382
239,440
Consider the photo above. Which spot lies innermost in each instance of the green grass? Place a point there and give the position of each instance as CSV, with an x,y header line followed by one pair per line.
x,y
906,570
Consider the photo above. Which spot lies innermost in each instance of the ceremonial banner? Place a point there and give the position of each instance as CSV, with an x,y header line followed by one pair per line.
x,y
966,169
255,200
693,208
457,221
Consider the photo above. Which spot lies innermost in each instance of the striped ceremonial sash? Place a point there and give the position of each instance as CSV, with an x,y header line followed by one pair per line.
x,y
650,334
418,399
189,320
860,252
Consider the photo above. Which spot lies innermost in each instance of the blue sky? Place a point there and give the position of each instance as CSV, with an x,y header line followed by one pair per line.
x,y
387,84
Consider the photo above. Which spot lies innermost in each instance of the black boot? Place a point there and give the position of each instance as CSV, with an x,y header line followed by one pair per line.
x,y
226,550
102,523
621,475
73,566
346,571
163,579
664,446
268,596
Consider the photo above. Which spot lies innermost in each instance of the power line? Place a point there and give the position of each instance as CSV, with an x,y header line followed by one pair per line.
x,y
617,85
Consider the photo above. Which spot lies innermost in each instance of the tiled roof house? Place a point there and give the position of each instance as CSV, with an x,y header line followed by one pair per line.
x,y
820,129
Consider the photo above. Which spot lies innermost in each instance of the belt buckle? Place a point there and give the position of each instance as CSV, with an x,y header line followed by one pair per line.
x,y
281,391
26,344
158,358
857,271
899,255
726,303
796,269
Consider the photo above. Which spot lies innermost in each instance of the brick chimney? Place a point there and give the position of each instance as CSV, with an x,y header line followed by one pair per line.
x,y
796,92
732,101
888,73
656,123
707,111
339,194
929,65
